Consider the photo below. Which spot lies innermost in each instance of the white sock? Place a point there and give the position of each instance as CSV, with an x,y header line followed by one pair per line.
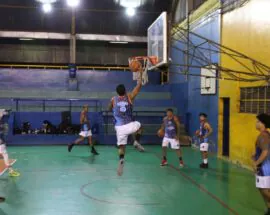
x,y
6,160
136,143
205,161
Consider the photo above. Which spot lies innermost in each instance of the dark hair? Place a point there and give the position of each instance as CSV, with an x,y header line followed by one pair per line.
x,y
203,114
121,90
169,109
46,122
264,119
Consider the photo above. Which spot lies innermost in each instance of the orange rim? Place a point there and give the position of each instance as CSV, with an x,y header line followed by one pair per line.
x,y
153,59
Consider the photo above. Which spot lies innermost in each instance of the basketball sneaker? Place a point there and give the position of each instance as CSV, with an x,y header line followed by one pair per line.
x,y
70,146
94,152
163,163
181,164
13,173
138,146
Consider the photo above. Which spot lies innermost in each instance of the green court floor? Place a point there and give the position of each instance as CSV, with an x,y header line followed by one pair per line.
x,y
55,182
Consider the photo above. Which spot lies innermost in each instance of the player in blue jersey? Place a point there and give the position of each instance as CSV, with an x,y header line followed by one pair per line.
x,y
85,131
122,107
262,158
171,130
203,133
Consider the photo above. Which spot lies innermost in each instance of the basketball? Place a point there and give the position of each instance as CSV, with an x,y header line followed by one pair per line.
x,y
135,66
161,133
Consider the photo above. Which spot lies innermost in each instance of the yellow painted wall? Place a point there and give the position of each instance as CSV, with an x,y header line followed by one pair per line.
x,y
246,30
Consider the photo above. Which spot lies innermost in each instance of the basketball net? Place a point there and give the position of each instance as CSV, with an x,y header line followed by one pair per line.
x,y
137,76
145,62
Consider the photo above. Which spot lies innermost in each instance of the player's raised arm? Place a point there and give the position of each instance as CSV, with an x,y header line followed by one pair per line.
x,y
136,90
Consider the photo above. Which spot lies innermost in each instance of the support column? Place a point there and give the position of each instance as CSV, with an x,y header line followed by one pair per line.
x,y
73,82
73,38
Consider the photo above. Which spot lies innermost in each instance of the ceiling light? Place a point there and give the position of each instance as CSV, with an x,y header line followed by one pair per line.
x,y
26,39
130,11
47,7
130,3
119,42
73,3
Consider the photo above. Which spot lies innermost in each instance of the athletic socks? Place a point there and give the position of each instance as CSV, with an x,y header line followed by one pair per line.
x,y
180,159
121,157
164,158
120,168
205,161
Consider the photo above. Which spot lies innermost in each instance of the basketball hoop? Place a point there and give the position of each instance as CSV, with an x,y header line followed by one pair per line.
x,y
142,65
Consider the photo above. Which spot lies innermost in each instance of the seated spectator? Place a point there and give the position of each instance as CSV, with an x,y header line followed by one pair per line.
x,y
48,128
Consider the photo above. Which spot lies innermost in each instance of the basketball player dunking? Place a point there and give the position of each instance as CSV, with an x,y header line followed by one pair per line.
x,y
171,128
204,132
262,159
85,131
122,106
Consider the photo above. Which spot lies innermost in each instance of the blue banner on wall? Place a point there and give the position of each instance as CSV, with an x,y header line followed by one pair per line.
x,y
72,70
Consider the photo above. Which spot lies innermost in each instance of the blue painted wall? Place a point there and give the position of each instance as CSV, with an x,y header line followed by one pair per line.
x,y
92,84
40,83
178,83
186,95
89,80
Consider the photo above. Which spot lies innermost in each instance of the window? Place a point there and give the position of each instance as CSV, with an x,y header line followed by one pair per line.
x,y
255,100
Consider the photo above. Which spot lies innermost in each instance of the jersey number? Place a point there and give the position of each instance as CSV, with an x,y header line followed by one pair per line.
x,y
123,109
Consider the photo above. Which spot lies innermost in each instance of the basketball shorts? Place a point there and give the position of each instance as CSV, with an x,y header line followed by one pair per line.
x,y
86,133
204,147
123,131
263,182
175,144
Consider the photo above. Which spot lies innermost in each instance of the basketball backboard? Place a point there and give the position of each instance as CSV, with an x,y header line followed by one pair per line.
x,y
157,35
208,81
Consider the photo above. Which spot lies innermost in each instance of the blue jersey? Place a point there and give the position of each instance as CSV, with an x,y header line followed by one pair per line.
x,y
170,128
262,143
122,110
85,126
203,132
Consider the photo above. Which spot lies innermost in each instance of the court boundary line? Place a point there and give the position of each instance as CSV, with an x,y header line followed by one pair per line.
x,y
192,181
83,193
11,162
